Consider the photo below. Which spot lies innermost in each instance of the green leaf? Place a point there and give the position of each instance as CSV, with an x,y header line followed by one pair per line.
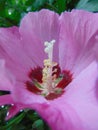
x,y
89,5
13,121
39,3
39,124
33,116
51,1
61,5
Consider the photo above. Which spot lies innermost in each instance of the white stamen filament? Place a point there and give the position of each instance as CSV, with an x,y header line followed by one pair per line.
x,y
49,49
48,66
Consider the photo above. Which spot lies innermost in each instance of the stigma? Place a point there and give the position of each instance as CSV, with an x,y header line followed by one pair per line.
x,y
49,81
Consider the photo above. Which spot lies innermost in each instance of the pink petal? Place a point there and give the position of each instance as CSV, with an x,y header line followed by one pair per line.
x,y
82,96
96,48
59,116
77,39
12,51
35,29
6,79
6,100
77,109
84,83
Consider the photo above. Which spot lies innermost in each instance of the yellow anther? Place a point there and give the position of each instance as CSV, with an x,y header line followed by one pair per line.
x,y
47,62
44,79
45,70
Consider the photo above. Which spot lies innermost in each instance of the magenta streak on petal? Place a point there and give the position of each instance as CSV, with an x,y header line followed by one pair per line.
x,y
14,109
6,100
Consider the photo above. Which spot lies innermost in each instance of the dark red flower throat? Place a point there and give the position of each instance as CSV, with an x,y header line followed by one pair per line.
x,y
62,78
48,81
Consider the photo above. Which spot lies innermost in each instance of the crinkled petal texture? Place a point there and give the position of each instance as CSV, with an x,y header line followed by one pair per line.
x,y
23,49
77,39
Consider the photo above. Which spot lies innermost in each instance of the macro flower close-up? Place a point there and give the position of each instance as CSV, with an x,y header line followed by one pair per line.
x,y
49,64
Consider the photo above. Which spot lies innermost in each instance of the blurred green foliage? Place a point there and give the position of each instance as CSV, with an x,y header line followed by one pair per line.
x,y
89,5
25,120
11,12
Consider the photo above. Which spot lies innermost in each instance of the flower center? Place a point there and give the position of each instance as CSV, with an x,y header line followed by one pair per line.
x,y
49,81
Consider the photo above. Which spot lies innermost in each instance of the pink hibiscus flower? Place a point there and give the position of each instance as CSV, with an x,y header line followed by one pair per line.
x,y
48,64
